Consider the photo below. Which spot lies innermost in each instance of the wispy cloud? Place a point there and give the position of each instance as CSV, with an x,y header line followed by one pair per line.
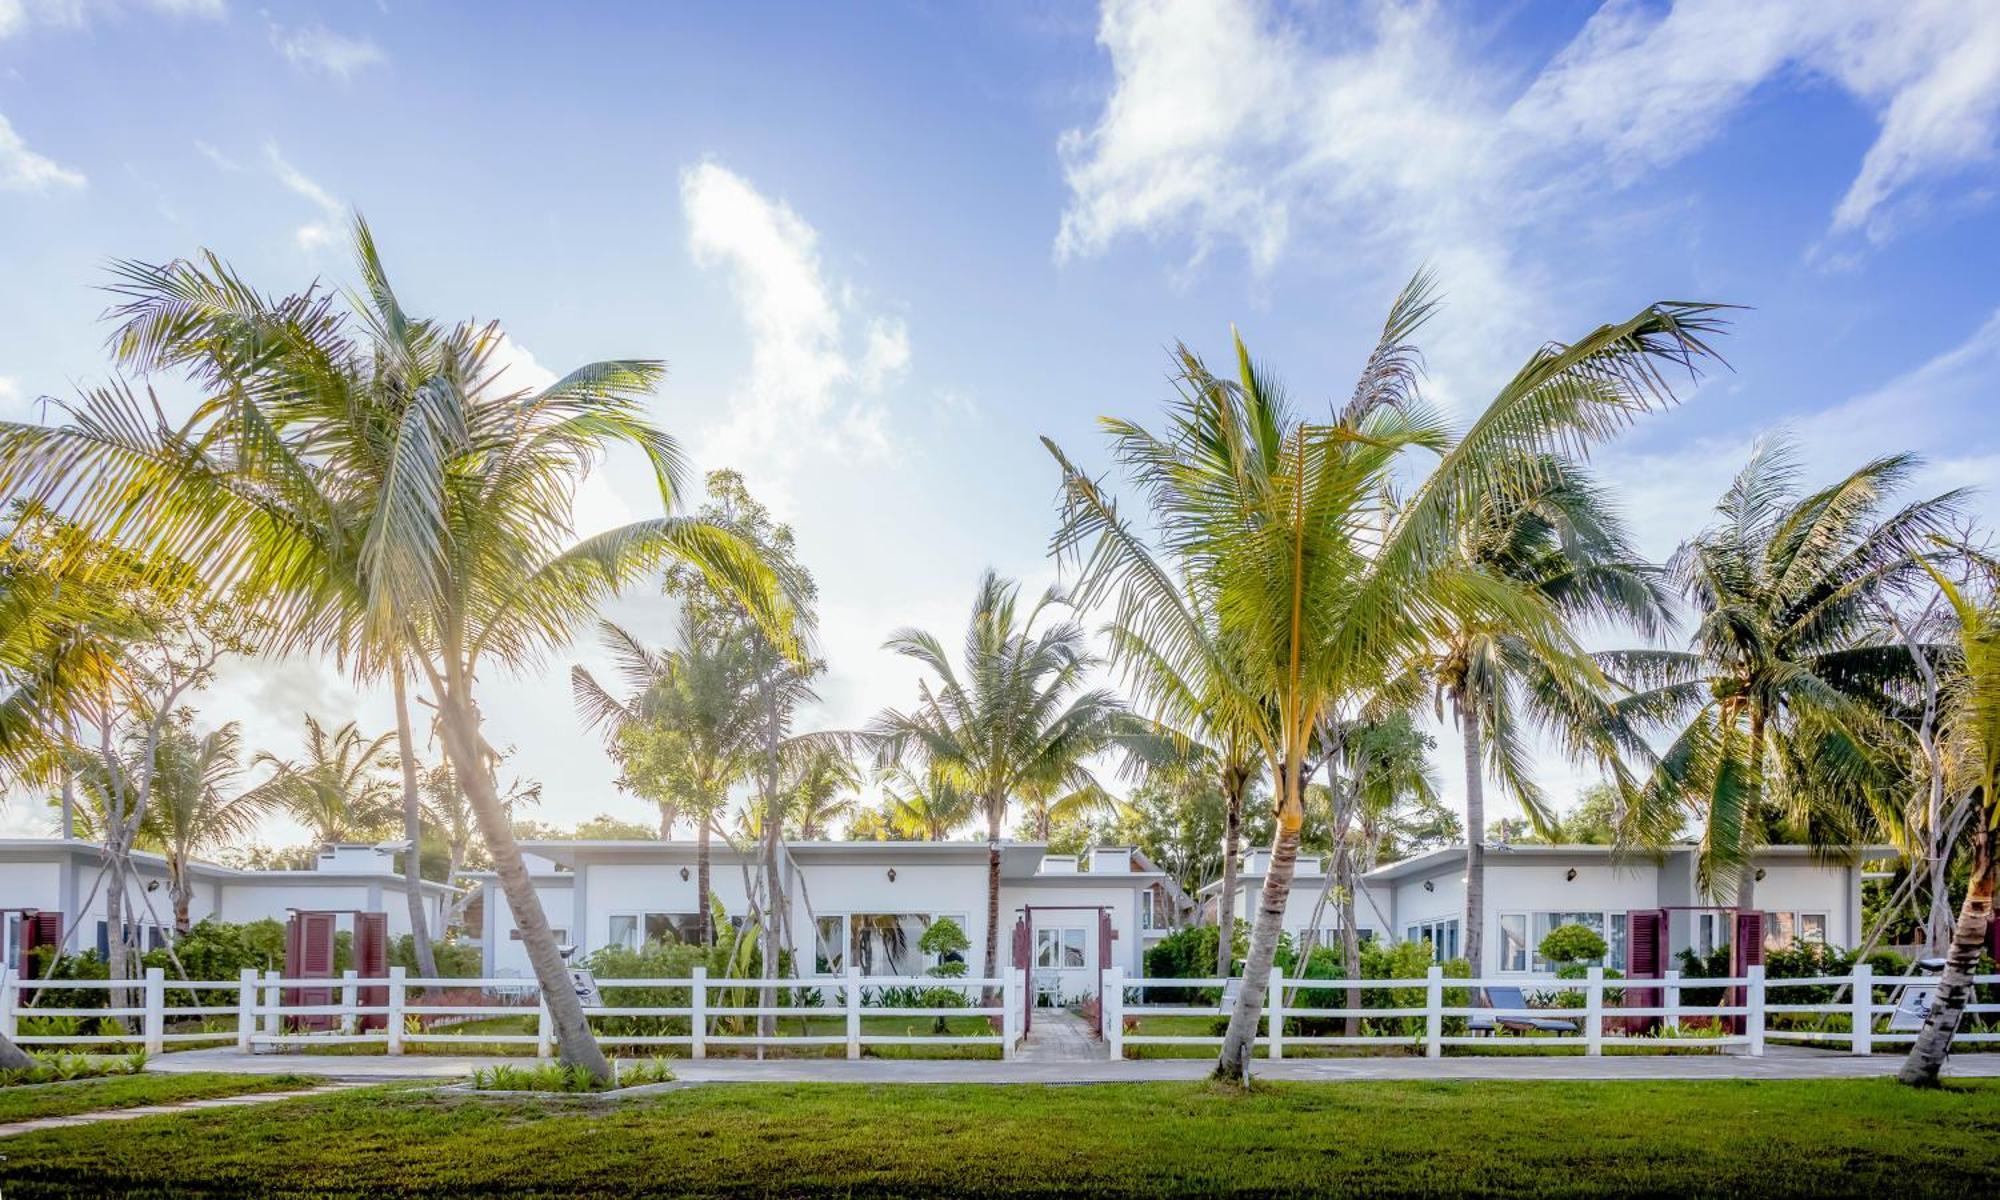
x,y
18,16
313,234
812,381
316,47
23,170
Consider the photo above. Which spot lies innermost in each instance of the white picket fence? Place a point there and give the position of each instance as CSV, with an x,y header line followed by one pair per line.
x,y
257,1017
1749,998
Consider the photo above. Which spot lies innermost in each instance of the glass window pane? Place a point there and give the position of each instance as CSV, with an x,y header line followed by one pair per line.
x,y
830,946
625,930
1514,942
1617,939
1812,927
1072,947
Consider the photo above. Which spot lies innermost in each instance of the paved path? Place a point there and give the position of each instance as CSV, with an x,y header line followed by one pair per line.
x,y
1057,1035
1789,1065
158,1110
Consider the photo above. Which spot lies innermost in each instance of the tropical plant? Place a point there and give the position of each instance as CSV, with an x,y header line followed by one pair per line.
x,y
820,785
195,808
338,788
925,805
1777,710
1970,736
1321,591
1549,528
1016,717
376,487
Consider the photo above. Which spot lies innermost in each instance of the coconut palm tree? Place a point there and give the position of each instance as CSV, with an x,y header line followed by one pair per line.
x,y
337,789
377,487
1321,594
1548,527
687,732
1970,736
927,805
820,786
195,807
1017,716
1775,710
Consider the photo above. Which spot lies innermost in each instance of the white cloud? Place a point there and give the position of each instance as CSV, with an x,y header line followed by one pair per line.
x,y
319,48
808,387
16,16
1230,121
313,235
23,170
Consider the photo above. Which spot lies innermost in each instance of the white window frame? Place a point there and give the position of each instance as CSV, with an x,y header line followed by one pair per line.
x,y
1609,917
846,919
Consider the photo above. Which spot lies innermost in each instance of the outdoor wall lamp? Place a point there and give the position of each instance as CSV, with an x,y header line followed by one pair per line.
x,y
1570,875
892,874
684,874
1430,885
1760,874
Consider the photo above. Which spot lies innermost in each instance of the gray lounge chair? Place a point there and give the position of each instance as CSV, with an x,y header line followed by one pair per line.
x,y
1510,998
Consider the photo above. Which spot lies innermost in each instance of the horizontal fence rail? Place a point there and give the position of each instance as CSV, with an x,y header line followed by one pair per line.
x,y
1439,1011
268,1010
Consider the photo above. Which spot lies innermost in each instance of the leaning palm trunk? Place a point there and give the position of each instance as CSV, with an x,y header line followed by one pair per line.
x,y
1475,844
413,828
575,1046
1240,1040
1968,938
1225,901
704,934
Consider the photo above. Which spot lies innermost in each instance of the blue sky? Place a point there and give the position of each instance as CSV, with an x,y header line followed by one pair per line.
x,y
884,247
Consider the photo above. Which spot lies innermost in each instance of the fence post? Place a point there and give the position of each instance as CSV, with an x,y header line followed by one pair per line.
x,y
273,1021
246,1008
350,996
1274,1011
1111,1011
155,1027
1864,1009
1754,1000
1434,1013
698,1014
394,1027
1593,1011
545,1042
10,995
1010,1011
1672,996
853,1011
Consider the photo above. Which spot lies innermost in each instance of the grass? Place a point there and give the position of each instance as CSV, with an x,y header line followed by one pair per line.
x,y
33,1101
817,1026
1764,1138
1409,1047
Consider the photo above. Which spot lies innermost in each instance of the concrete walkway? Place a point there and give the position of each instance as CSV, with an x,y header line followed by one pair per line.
x,y
160,1110
1057,1035
1788,1065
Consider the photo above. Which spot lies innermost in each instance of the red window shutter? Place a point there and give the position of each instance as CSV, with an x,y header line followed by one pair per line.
x,y
1749,940
309,955
1645,944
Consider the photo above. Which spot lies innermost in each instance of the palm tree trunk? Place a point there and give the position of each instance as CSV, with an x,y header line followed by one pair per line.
x,y
413,827
1968,938
1350,938
994,809
1472,939
183,898
12,1057
667,814
1238,1042
1232,849
575,1046
702,932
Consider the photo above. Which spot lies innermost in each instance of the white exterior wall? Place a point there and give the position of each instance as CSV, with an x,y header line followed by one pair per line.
x,y
506,957
1304,897
1075,907
955,890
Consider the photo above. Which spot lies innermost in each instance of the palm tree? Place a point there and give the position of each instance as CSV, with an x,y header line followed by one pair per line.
x,y
1319,594
1017,717
1045,808
448,814
1551,529
1970,736
337,790
192,811
1776,707
376,488
820,787
926,805
685,734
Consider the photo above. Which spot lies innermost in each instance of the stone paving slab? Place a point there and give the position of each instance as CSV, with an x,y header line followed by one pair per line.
x,y
1817,1065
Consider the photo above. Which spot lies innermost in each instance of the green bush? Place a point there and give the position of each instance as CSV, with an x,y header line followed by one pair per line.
x,y
1190,954
1574,945
1379,960
455,959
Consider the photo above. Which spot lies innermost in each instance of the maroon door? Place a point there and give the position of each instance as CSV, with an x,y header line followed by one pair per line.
x,y
371,961
1747,952
37,930
1645,958
1104,939
309,955
1022,953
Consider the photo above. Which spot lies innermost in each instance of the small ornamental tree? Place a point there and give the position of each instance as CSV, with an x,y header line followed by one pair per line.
x,y
948,942
1573,950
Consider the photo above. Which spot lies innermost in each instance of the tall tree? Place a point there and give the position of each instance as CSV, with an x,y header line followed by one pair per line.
x,y
339,788
1775,709
1970,729
926,804
1319,593
1018,715
820,786
196,807
378,487
1550,528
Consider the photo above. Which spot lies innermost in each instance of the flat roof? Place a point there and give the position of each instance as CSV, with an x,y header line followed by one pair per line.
x,y
15,849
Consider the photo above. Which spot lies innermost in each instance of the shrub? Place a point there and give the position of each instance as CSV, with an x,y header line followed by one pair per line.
x,y
1379,960
59,1066
1573,945
1190,954
455,959
554,1077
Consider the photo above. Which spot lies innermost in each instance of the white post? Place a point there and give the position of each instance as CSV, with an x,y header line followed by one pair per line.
x,y
853,1011
1274,1011
272,996
350,997
1112,1006
1010,1012
1672,997
698,1018
395,1020
1434,1013
1593,1011
1864,1009
545,1040
155,1028
246,1008
1754,1000
10,995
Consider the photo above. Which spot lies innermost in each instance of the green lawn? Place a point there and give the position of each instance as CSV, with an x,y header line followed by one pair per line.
x,y
818,1026
29,1101
1163,1139
1412,1046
